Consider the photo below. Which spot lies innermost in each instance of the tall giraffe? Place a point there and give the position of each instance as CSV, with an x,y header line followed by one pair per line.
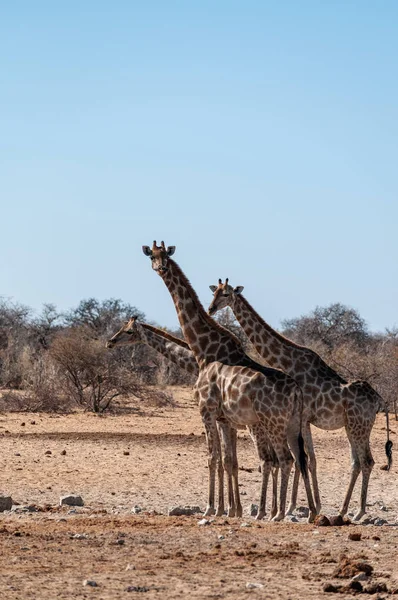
x,y
232,387
330,402
178,351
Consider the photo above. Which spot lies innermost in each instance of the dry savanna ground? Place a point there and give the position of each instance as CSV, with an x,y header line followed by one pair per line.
x,y
155,458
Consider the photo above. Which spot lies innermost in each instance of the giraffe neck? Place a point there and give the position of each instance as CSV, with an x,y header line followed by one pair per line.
x,y
208,341
277,350
172,348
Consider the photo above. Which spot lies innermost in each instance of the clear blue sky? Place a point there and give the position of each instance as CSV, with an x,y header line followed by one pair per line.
x,y
258,137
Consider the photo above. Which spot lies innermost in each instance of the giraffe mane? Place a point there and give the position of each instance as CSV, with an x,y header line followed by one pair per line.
x,y
289,342
200,307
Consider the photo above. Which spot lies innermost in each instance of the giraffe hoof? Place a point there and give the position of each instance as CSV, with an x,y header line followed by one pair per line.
x,y
260,516
209,512
279,517
290,509
220,512
359,515
311,517
239,511
231,512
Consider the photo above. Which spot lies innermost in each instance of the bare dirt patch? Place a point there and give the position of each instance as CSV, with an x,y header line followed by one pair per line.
x,y
157,459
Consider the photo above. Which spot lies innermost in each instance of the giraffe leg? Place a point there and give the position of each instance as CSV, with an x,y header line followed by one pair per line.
x,y
285,460
274,508
294,447
293,497
355,470
228,451
262,445
309,447
266,466
235,482
214,451
366,462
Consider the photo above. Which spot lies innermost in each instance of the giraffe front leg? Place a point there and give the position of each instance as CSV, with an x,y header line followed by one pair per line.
x,y
235,478
274,507
227,450
214,451
293,497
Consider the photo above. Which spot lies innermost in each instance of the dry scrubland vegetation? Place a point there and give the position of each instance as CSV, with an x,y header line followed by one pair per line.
x,y
58,362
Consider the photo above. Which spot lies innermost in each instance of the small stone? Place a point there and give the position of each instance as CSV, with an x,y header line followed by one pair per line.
x,y
355,585
33,422
17,454
23,424
330,587
5,503
130,567
63,452
48,452
204,522
71,501
120,542
360,577
178,511
126,453
379,522
384,508
136,509
245,524
303,511
79,536
375,587
291,519
254,586
354,537
221,537
137,588
90,582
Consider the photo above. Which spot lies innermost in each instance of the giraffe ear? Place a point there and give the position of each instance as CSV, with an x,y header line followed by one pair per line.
x,y
170,250
213,288
147,251
239,289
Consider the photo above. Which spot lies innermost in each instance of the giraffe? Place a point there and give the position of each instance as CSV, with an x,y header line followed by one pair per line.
x,y
173,348
330,402
232,387
178,351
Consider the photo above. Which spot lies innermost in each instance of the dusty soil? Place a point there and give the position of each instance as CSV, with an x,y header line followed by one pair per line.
x,y
156,458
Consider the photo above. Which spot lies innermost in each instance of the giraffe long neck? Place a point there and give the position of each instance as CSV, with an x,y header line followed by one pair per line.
x,y
176,351
278,351
208,341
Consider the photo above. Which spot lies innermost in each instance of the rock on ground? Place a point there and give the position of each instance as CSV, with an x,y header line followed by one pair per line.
x,y
71,500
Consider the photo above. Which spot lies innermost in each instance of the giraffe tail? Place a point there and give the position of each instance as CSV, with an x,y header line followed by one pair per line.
x,y
302,455
388,446
300,439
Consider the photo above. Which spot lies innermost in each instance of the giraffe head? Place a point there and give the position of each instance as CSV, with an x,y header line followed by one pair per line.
x,y
128,334
223,296
159,256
